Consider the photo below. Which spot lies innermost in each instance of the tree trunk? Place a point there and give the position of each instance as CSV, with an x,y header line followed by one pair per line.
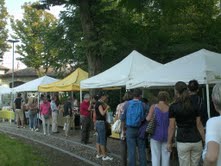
x,y
90,35
94,58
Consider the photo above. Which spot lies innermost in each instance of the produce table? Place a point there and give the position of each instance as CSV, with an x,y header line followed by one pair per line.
x,y
7,115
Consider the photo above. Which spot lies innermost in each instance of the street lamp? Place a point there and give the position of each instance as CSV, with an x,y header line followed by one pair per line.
x,y
13,41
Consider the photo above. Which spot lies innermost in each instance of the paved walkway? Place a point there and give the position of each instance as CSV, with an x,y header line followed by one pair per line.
x,y
70,145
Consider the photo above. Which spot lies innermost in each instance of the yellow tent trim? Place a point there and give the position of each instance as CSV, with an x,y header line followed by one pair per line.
x,y
69,83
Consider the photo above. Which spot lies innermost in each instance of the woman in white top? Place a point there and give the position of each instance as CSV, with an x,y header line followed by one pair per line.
x,y
212,151
54,109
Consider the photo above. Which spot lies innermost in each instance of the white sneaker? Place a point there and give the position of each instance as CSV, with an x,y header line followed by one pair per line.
x,y
32,129
36,130
44,133
99,156
107,158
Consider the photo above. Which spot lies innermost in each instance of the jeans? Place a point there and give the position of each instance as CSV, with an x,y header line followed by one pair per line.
x,y
159,153
123,152
132,141
32,120
101,131
189,153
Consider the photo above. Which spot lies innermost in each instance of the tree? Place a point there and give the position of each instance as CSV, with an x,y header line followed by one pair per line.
x,y
162,30
34,32
178,27
92,41
3,30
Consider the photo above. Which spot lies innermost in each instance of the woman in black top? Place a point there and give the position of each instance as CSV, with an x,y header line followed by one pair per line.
x,y
101,110
184,114
193,87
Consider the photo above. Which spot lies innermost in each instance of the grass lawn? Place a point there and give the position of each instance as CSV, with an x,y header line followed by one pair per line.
x,y
14,152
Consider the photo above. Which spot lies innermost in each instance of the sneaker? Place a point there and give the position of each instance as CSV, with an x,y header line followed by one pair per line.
x,y
99,156
32,129
44,133
107,158
36,129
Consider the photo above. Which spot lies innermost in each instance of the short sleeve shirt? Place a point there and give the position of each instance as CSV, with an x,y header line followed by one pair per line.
x,y
213,133
67,108
84,108
186,122
18,102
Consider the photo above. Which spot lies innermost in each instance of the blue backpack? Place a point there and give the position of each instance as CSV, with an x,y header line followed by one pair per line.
x,y
134,113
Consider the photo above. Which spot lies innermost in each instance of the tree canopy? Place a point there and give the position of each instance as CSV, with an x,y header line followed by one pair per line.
x,y
34,32
97,34
3,30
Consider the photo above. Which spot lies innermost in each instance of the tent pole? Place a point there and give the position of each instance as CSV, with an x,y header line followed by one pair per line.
x,y
207,100
80,95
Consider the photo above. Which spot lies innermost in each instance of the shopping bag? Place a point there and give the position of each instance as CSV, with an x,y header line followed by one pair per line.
x,y
116,127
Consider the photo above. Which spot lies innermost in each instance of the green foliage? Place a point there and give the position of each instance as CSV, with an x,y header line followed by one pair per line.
x,y
35,31
3,30
109,30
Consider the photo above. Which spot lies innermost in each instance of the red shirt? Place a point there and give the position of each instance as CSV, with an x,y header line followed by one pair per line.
x,y
45,108
84,108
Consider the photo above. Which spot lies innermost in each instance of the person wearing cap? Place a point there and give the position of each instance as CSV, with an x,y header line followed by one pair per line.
x,y
85,108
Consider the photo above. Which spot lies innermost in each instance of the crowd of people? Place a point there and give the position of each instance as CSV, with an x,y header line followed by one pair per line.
x,y
179,124
44,112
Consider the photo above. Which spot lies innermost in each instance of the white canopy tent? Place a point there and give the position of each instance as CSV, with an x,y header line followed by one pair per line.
x,y
203,65
5,90
129,68
32,86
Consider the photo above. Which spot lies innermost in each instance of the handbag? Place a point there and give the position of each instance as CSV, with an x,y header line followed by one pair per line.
x,y
151,125
108,129
116,127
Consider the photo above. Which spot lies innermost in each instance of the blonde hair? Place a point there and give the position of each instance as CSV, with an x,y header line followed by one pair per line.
x,y
163,96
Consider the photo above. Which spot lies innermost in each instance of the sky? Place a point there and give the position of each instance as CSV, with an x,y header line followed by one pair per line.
x,y
14,9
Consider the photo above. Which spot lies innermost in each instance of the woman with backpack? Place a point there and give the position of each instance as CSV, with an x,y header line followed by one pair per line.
x,y
185,115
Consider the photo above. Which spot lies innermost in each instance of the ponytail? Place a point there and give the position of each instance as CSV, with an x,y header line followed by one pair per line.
x,y
184,98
